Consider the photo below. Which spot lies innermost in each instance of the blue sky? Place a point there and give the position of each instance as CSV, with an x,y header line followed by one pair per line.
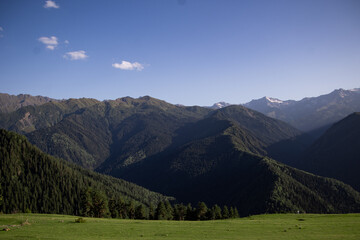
x,y
192,52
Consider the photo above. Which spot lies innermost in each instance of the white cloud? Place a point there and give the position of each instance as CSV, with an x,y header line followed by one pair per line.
x,y
125,65
66,42
50,4
76,55
50,42
1,29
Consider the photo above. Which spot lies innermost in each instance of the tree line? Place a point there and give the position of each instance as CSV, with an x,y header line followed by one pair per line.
x,y
94,203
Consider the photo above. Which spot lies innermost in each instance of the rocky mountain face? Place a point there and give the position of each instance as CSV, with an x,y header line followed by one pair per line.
x,y
10,103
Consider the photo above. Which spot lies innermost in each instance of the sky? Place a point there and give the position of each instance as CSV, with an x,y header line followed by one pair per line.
x,y
190,52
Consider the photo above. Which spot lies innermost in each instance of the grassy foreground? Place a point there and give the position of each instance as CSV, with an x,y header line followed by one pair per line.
x,y
274,226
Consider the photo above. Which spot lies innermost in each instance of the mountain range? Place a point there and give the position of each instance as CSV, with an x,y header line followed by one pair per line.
x,y
220,156
310,113
313,115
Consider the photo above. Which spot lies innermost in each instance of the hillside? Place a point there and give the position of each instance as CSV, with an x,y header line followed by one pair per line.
x,y
10,103
31,118
336,153
125,129
36,182
310,113
219,167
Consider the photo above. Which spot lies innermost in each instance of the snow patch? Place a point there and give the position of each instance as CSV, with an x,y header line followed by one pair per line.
x,y
273,100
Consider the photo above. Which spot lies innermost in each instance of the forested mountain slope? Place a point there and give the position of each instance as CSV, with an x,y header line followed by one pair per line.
x,y
221,167
34,181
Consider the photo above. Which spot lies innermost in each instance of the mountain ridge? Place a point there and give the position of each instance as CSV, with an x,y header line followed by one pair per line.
x,y
312,112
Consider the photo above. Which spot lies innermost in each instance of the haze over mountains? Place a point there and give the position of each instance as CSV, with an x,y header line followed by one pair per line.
x,y
310,113
227,155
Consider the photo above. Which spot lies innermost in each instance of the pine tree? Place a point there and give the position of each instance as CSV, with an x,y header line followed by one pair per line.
x,y
140,212
189,212
225,212
161,212
169,211
99,204
113,208
86,203
217,212
201,211
179,212
131,210
236,213
151,212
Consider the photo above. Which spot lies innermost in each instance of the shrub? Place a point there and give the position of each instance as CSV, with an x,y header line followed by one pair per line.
x,y
80,220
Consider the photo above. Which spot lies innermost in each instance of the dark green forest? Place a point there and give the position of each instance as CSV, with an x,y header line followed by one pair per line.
x,y
32,181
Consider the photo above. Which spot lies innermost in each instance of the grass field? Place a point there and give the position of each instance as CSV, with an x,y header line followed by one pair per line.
x,y
274,226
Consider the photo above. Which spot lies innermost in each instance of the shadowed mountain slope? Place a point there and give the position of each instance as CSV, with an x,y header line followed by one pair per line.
x,y
336,153
215,168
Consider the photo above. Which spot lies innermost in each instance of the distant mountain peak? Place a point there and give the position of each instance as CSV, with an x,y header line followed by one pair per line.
x,y
219,105
344,93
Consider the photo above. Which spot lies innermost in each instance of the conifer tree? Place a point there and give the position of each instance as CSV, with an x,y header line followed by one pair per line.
x,y
161,212
140,212
169,211
217,212
151,212
201,211
179,212
225,212
131,210
189,212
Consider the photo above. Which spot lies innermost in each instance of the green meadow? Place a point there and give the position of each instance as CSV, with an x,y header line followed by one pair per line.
x,y
272,226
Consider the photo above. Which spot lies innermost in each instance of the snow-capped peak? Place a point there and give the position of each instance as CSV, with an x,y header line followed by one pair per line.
x,y
273,100
220,105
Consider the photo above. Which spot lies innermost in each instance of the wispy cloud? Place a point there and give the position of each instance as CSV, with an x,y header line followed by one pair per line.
x,y
125,65
50,4
1,29
76,55
66,42
50,42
